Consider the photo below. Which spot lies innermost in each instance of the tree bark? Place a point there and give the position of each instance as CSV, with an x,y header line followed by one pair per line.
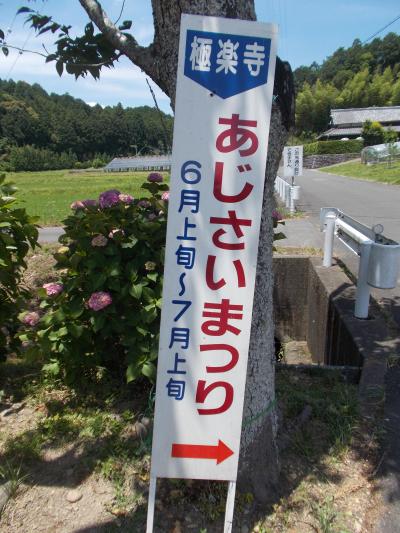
x,y
259,463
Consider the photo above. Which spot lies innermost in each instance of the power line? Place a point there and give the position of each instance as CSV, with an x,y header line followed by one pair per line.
x,y
379,31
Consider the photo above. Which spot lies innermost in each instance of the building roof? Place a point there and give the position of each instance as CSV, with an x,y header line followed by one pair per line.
x,y
360,115
350,132
156,162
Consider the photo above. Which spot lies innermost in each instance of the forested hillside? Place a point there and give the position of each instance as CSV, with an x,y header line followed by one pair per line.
x,y
359,76
64,130
38,130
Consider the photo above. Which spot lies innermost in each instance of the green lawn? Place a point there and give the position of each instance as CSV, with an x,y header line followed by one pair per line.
x,y
357,170
49,194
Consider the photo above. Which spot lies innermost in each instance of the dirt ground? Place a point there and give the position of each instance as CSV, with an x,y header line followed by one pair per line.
x,y
323,489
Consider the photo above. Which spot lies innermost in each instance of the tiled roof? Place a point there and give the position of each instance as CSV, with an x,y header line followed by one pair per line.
x,y
358,116
347,132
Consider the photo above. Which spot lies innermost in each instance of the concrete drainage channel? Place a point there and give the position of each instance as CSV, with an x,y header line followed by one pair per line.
x,y
315,306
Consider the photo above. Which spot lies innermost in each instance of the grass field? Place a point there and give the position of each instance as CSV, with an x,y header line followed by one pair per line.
x,y
357,170
49,194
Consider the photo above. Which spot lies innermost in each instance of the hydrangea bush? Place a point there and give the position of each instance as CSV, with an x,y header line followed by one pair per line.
x,y
17,233
104,312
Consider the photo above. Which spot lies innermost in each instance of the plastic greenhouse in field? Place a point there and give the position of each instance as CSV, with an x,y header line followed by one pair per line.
x,y
126,164
380,153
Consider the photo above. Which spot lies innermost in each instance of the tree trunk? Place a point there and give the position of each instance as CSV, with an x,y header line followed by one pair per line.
x,y
259,464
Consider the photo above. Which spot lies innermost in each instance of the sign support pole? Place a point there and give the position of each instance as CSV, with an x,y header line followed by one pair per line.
x,y
150,505
230,504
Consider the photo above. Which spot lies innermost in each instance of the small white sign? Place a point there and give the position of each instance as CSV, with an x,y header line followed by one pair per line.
x,y
223,107
292,161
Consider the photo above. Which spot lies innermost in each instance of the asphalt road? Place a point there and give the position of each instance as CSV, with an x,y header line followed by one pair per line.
x,y
50,234
367,201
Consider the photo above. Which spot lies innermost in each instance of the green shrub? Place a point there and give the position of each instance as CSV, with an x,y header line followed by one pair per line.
x,y
97,163
104,313
333,147
372,132
17,233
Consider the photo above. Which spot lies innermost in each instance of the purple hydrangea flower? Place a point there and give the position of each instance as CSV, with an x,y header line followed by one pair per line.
x,y
126,198
155,177
152,216
31,319
165,196
99,240
99,300
89,203
109,198
53,289
144,203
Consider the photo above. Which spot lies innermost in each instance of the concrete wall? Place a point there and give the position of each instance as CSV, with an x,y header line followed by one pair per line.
x,y
315,304
324,160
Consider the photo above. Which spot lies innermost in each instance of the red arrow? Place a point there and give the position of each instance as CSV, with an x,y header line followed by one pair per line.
x,y
202,451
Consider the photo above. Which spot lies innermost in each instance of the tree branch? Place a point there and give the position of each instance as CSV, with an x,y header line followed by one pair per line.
x,y
25,50
142,56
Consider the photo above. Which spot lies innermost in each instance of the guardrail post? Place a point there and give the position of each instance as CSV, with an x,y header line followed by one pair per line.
x,y
330,221
287,194
291,201
363,289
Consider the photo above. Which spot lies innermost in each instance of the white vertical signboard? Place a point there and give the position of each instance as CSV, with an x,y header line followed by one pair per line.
x,y
223,107
292,161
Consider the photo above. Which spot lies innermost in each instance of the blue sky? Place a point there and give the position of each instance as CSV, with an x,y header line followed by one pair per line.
x,y
310,30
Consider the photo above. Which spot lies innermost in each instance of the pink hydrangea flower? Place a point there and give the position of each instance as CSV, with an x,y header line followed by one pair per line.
x,y
126,198
109,198
78,204
154,177
99,300
165,196
276,215
53,289
31,319
99,240
89,203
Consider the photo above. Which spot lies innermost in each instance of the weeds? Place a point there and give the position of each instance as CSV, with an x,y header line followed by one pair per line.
x,y
12,476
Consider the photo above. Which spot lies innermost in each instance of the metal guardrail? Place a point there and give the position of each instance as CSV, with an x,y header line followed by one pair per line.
x,y
289,193
379,256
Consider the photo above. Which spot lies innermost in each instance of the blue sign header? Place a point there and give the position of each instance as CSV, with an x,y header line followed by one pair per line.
x,y
226,64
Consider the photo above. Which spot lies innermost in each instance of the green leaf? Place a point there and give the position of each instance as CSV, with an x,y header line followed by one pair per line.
x,y
149,370
279,236
52,369
152,276
136,290
132,372
59,67
98,322
131,242
51,57
24,10
76,330
126,25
